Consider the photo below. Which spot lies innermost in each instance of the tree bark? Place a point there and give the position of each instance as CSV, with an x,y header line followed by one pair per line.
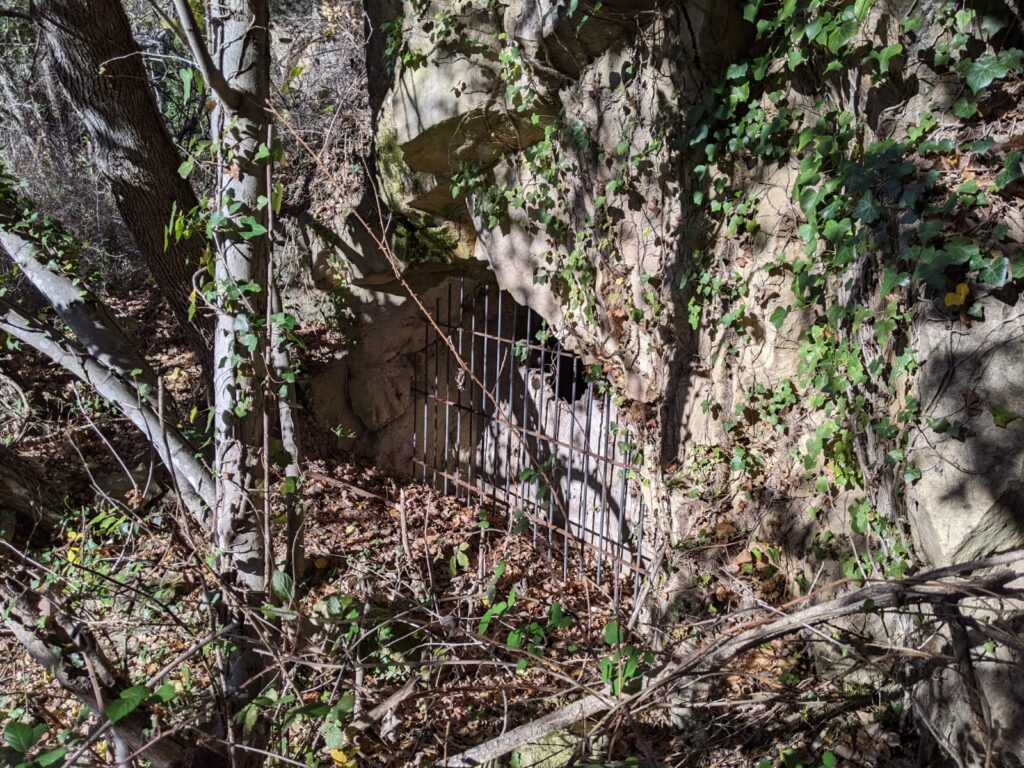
x,y
237,64
242,53
97,63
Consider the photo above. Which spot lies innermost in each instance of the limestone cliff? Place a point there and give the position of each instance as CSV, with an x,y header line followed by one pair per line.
x,y
786,233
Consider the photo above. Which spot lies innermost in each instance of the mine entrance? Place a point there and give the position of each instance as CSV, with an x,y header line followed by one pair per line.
x,y
528,431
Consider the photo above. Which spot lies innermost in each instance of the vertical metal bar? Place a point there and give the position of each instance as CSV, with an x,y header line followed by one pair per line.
x,y
541,429
459,372
586,524
639,547
434,450
624,497
603,452
416,437
572,468
524,424
507,406
617,591
497,392
475,417
447,389
556,360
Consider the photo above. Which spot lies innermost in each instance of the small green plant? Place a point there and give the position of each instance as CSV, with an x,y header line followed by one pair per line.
x,y
459,559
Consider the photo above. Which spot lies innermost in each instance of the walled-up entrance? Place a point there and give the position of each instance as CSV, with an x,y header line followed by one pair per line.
x,y
528,430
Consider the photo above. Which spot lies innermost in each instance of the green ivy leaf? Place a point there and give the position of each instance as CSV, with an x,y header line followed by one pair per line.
x,y
891,279
964,108
843,33
961,250
1002,416
165,693
836,230
885,56
883,330
969,187
996,273
778,317
1013,169
250,228
186,168
860,517
282,586
861,9
866,209
980,73
991,25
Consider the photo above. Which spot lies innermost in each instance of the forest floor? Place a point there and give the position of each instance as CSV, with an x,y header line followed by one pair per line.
x,y
465,624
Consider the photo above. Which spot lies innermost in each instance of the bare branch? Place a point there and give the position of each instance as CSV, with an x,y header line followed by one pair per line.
x,y
6,14
56,641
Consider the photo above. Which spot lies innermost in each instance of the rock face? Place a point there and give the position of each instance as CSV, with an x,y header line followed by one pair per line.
x,y
969,502
489,118
528,144
531,145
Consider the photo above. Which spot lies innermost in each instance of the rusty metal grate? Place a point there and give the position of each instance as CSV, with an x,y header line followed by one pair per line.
x,y
528,404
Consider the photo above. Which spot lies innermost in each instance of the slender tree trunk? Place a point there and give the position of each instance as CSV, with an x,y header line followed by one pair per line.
x,y
95,59
242,54
237,65
295,556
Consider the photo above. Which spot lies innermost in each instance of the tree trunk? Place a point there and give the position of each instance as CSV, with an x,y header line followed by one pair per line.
x,y
242,53
99,66
237,66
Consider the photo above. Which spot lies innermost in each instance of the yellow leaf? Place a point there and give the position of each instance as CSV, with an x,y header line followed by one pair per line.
x,y
958,296
74,555
340,758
